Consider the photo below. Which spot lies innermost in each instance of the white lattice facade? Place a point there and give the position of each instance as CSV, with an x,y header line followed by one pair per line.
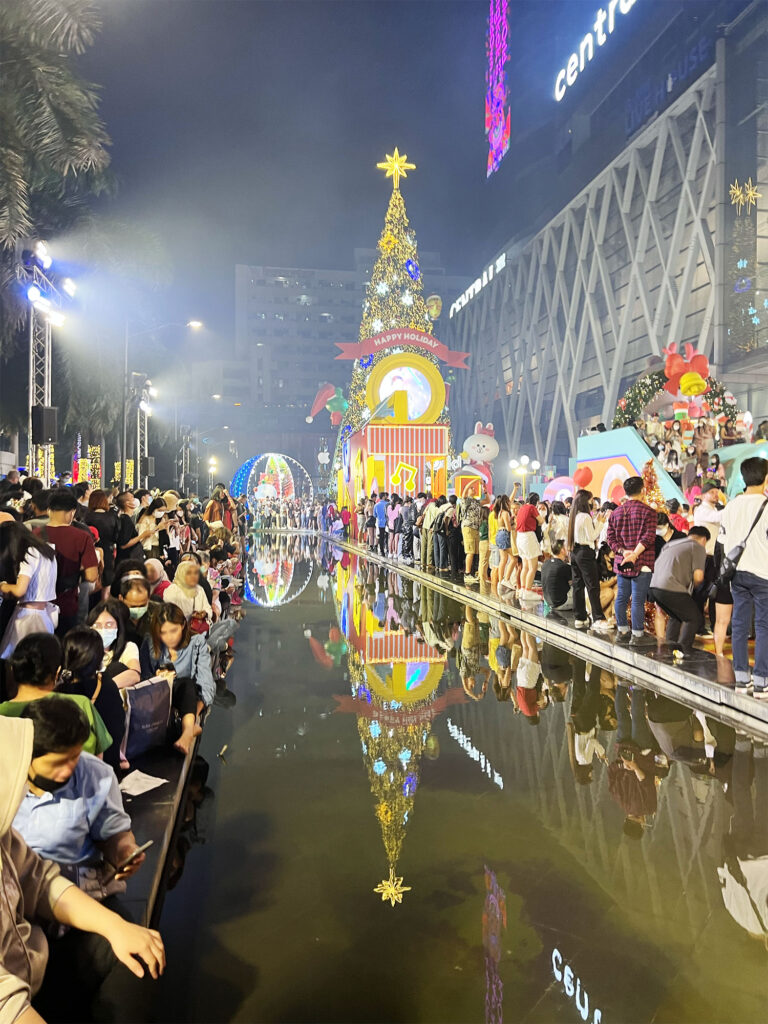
x,y
583,306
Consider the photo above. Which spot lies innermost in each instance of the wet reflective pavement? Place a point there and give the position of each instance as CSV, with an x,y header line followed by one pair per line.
x,y
425,814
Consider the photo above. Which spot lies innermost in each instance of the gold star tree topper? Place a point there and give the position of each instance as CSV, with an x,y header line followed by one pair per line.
x,y
396,166
392,888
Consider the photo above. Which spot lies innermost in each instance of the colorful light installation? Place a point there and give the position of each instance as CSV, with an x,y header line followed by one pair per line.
x,y
497,108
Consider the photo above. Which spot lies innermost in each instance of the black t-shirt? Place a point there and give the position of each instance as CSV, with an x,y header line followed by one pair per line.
x,y
555,581
126,531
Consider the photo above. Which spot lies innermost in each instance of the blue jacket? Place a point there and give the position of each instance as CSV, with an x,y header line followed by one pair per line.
x,y
192,661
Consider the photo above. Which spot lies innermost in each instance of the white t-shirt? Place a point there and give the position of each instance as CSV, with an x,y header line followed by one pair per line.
x,y
737,517
585,529
711,517
42,576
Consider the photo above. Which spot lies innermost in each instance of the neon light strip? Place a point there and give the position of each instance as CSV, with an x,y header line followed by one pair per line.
x,y
497,109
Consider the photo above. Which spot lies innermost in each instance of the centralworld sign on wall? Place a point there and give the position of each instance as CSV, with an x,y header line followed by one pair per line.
x,y
607,20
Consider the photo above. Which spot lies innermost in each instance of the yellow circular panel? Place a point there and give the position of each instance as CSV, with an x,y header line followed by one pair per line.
x,y
404,681
419,377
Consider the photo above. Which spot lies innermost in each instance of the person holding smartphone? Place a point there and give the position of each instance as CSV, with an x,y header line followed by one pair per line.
x,y
72,812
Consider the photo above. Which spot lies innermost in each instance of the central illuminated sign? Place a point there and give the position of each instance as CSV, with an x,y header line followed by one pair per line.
x,y
605,23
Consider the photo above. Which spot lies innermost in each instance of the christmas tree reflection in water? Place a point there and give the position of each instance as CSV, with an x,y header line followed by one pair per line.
x,y
394,678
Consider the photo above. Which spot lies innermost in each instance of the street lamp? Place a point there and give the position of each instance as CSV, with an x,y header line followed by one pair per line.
x,y
522,466
212,467
193,325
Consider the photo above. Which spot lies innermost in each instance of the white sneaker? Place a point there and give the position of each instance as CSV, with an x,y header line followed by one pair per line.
x,y
601,626
581,623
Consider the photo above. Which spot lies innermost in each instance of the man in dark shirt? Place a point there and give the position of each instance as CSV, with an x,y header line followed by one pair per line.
x,y
556,577
679,568
631,535
75,553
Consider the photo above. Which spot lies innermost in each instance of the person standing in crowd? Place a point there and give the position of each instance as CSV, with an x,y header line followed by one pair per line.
x,y
678,569
128,544
394,526
470,534
75,554
676,518
151,524
221,508
380,511
744,521
104,521
528,522
452,534
428,516
708,513
556,577
583,534
82,492
409,520
631,536
28,570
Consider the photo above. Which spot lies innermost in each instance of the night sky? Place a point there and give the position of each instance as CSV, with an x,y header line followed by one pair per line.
x,y
249,131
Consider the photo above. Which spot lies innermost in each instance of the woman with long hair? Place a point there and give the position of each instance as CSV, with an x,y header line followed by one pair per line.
x,y
104,521
28,573
151,525
502,525
82,656
170,640
583,534
111,621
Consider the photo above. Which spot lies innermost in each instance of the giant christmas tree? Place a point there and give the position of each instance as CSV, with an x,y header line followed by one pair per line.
x,y
393,296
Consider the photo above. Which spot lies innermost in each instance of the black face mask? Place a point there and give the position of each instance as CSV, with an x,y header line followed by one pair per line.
x,y
48,785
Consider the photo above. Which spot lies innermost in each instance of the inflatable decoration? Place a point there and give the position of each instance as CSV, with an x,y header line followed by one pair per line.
x,y
480,449
332,399
434,307
688,375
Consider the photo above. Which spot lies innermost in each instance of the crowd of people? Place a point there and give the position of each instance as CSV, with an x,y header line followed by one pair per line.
x,y
687,455
117,617
639,573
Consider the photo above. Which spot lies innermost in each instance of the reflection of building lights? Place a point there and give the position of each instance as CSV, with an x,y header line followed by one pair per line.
x,y
471,751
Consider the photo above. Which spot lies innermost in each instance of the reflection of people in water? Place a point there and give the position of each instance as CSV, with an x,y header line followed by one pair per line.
x,y
504,652
632,784
470,654
532,696
743,872
582,727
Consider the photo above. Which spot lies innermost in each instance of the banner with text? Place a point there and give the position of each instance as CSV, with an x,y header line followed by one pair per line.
x,y
402,336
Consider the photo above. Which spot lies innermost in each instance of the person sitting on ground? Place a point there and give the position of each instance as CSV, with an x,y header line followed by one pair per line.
x,y
172,641
73,811
679,568
556,577
134,594
82,655
110,619
34,666
36,893
187,593
158,578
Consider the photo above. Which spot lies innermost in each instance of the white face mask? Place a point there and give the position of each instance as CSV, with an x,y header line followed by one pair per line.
x,y
159,514
660,531
108,635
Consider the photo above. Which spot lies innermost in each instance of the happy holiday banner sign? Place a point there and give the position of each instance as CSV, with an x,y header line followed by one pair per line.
x,y
402,336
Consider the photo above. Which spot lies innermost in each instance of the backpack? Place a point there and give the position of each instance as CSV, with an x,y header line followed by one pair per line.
x,y
439,524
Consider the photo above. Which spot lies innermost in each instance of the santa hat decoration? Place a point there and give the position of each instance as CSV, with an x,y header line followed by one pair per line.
x,y
324,394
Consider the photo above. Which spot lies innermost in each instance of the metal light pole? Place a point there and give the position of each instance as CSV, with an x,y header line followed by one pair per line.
x,y
43,311
194,325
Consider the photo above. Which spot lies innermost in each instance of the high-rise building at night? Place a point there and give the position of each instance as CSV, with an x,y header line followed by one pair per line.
x,y
624,236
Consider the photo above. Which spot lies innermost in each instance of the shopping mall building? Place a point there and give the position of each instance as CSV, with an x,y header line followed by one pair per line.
x,y
643,222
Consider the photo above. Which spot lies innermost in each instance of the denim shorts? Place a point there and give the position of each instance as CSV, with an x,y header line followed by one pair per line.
x,y
502,540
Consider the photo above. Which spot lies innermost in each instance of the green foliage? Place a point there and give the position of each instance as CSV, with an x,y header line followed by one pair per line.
x,y
53,145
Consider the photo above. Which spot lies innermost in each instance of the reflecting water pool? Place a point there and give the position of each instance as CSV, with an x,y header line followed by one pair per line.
x,y
423,814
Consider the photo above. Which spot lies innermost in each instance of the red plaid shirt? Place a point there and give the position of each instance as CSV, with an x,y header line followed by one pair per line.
x,y
631,524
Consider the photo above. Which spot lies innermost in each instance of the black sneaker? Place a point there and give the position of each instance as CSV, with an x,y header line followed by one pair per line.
x,y
623,638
